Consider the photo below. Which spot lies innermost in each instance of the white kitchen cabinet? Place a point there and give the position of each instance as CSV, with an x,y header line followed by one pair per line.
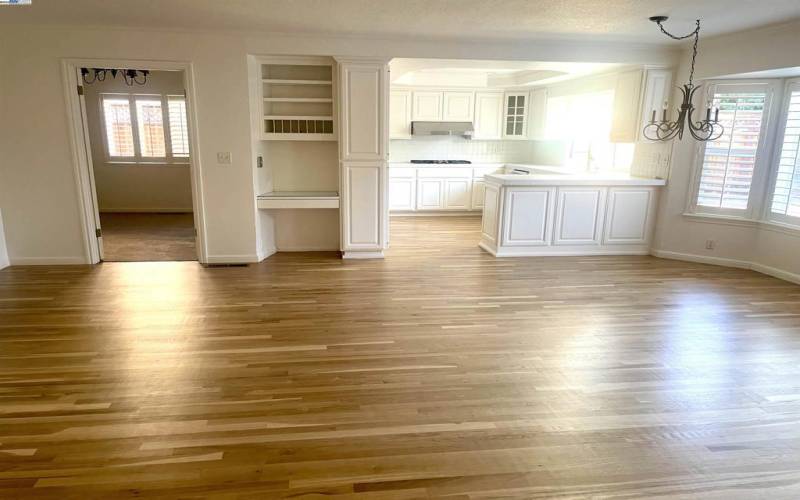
x,y
537,115
458,194
488,115
655,96
579,215
478,193
402,194
427,105
515,115
625,113
364,98
458,106
528,216
430,194
400,114
628,215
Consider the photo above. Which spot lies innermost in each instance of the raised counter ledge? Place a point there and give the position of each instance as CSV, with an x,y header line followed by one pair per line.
x,y
599,179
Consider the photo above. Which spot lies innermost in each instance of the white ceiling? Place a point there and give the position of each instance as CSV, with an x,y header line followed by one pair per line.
x,y
467,19
475,73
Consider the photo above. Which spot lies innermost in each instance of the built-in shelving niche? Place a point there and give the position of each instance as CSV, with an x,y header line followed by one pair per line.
x,y
298,182
298,101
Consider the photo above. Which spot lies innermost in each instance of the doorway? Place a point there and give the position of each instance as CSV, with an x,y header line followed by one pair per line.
x,y
139,180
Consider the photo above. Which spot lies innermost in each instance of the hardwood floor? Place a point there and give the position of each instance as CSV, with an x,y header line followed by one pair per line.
x,y
444,373
136,237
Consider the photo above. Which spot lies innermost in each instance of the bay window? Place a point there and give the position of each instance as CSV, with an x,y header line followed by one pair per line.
x,y
730,164
785,206
145,128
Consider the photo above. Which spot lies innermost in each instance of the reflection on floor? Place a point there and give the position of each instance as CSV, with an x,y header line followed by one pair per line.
x,y
429,374
135,237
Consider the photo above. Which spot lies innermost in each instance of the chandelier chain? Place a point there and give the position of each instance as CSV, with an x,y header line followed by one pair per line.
x,y
695,34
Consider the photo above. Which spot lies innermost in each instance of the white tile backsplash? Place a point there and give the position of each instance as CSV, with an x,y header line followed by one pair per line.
x,y
456,148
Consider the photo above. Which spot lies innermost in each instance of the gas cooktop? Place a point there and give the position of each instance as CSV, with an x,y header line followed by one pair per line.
x,y
444,162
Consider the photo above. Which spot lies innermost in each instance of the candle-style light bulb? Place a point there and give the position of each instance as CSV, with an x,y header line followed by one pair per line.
x,y
708,114
653,119
716,115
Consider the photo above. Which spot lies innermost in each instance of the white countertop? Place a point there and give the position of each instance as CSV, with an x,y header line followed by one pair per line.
x,y
578,179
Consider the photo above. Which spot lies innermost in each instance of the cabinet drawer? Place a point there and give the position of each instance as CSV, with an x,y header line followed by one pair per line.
x,y
402,172
444,172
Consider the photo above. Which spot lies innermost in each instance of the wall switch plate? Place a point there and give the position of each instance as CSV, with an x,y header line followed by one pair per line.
x,y
260,162
710,244
224,158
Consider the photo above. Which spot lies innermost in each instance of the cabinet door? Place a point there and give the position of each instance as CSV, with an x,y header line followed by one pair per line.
x,y
430,194
400,114
579,216
629,215
401,194
516,115
478,193
528,216
655,98
427,106
458,106
363,93
537,114
457,194
362,202
625,113
488,115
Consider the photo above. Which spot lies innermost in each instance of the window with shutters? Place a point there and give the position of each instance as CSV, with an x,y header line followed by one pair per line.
x,y
729,164
145,128
785,204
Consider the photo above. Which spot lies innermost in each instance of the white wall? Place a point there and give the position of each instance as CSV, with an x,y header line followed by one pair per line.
x,y
38,194
150,187
3,252
740,244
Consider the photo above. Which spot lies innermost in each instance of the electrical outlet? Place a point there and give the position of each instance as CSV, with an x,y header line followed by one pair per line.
x,y
224,158
260,162
710,244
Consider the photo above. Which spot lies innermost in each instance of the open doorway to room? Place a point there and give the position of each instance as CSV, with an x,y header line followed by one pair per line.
x,y
138,143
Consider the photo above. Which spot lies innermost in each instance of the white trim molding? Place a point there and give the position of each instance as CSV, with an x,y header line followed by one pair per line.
x,y
720,261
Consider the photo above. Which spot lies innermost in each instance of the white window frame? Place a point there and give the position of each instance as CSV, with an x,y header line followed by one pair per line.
x,y
762,166
768,214
137,157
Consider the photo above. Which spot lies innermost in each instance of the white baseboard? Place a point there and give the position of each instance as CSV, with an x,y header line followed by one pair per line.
x,y
702,259
777,273
437,213
232,259
302,248
362,255
720,261
146,210
48,261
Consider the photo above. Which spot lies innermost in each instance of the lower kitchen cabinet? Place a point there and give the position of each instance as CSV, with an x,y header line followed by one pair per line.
x,y
430,194
478,193
457,194
402,194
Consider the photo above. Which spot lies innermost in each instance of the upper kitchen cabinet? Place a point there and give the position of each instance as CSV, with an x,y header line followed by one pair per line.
x,y
636,95
400,114
427,106
488,115
655,95
458,106
516,115
363,100
537,116
298,99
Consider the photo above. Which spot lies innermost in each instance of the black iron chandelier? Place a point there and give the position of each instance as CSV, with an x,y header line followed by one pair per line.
x,y
131,76
703,130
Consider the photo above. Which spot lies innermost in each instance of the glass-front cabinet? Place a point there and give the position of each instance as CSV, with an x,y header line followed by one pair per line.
x,y
516,112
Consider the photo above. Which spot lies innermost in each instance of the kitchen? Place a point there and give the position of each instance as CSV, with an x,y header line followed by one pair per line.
x,y
549,154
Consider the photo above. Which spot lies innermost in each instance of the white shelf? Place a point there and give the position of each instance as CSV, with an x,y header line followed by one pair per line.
x,y
294,117
298,99
298,199
296,82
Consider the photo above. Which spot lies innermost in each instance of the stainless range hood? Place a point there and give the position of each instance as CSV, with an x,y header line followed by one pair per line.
x,y
463,129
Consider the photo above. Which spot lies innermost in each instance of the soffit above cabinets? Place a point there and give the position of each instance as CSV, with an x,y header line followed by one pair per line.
x,y
488,74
